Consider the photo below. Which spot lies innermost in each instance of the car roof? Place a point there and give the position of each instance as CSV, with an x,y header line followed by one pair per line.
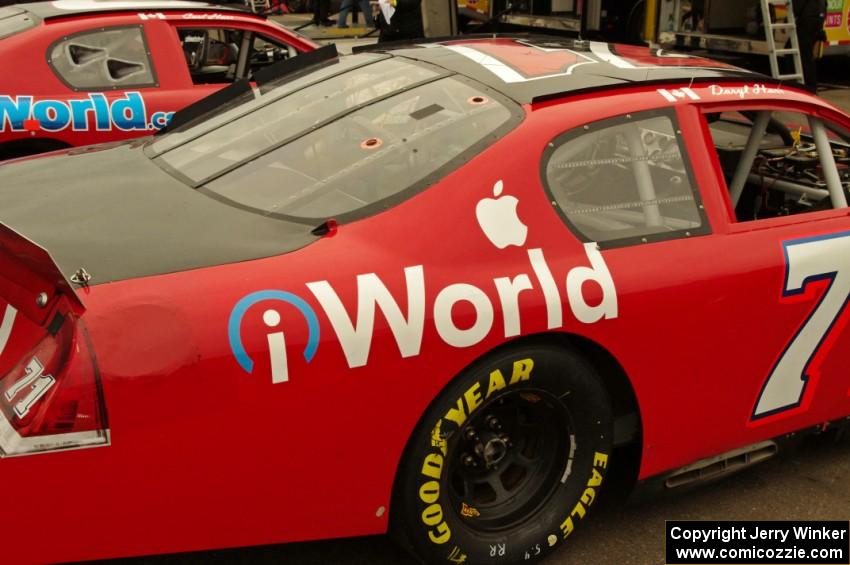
x,y
65,8
535,68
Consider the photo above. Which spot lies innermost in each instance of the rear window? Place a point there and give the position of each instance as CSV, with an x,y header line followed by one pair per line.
x,y
15,20
249,102
345,144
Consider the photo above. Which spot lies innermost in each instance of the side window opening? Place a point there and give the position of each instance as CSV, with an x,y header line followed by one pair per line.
x,y
624,181
211,54
103,59
781,163
265,52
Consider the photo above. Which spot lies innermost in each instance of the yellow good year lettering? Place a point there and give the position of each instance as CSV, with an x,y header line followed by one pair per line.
x,y
437,439
457,415
433,465
497,382
473,398
432,515
522,370
444,534
429,492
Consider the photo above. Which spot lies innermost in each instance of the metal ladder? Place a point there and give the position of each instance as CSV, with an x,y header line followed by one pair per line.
x,y
770,29
258,6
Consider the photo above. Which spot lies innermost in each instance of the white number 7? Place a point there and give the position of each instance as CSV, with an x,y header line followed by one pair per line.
x,y
807,260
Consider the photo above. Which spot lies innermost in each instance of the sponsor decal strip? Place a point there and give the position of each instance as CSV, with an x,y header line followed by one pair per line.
x,y
355,334
94,112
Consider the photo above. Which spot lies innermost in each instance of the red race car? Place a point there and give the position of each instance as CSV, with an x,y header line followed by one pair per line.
x,y
430,290
76,72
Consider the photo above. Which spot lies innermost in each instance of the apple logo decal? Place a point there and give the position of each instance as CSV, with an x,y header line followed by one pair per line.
x,y
499,220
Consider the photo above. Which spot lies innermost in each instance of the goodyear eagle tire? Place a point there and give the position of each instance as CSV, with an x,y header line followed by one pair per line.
x,y
507,461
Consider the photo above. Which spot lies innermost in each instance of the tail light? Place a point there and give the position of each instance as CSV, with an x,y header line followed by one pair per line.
x,y
51,399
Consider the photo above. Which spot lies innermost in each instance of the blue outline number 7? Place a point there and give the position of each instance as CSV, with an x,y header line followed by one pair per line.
x,y
809,259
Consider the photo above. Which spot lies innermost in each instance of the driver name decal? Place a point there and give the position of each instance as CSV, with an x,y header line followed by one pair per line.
x,y
94,112
745,90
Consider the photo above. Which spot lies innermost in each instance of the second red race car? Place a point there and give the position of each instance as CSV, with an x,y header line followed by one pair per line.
x,y
76,72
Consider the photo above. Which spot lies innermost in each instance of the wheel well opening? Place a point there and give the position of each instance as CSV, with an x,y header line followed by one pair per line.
x,y
623,400
624,404
628,426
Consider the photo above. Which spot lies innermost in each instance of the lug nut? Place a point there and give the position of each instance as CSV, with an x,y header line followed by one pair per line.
x,y
469,460
494,424
471,434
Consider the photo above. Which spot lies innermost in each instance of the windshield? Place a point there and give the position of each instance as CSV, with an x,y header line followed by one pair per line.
x,y
339,139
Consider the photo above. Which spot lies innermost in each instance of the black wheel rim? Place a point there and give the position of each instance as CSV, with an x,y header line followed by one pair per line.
x,y
509,457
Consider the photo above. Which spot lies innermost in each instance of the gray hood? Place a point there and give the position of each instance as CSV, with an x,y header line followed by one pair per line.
x,y
111,211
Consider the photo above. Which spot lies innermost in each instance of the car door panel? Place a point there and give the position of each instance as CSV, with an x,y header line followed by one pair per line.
x,y
703,320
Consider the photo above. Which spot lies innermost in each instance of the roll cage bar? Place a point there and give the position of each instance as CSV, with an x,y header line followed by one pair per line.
x,y
743,172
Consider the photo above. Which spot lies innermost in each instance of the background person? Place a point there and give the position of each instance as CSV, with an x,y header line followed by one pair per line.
x,y
320,13
405,22
810,16
346,6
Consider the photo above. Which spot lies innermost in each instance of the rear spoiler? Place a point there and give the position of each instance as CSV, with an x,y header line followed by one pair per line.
x,y
30,279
